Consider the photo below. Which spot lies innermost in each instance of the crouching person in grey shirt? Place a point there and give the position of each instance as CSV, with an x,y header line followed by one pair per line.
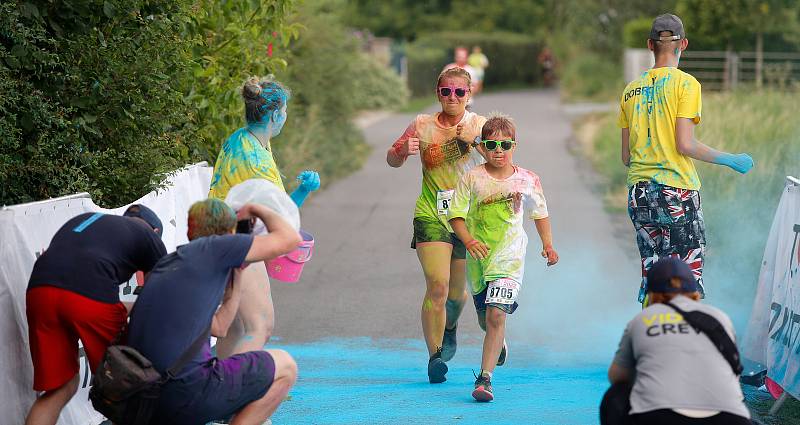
x,y
666,371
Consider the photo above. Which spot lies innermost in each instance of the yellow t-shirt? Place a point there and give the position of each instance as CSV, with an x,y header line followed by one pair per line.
x,y
242,158
650,107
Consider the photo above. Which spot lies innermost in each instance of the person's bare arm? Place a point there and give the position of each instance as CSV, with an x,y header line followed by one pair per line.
x,y
618,374
406,145
475,247
626,146
546,235
688,145
397,154
281,239
225,314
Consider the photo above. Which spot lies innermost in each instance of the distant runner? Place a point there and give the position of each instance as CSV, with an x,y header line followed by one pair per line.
x,y
479,62
489,206
658,113
548,63
460,60
444,142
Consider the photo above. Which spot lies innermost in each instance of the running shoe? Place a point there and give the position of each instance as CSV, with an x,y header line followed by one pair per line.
x,y
501,359
483,388
437,368
449,343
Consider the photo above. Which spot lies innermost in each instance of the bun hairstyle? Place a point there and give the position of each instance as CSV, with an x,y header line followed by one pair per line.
x,y
454,72
262,96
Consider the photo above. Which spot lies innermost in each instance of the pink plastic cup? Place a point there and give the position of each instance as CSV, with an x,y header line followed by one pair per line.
x,y
287,268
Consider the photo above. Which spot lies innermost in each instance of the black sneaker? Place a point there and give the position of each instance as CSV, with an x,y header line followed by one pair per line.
x,y
483,389
449,343
437,368
501,359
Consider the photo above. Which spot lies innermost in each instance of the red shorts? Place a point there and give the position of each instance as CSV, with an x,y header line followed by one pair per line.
x,y
57,319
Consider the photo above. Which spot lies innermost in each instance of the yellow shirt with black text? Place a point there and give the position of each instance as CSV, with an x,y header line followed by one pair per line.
x,y
650,107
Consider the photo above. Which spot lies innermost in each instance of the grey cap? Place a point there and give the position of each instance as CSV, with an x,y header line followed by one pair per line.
x,y
667,22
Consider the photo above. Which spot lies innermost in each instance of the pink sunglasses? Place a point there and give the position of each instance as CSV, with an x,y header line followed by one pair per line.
x,y
459,91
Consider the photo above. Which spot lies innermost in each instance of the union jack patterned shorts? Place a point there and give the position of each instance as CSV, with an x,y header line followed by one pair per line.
x,y
668,223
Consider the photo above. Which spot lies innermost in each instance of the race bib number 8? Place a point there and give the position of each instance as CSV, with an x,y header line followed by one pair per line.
x,y
443,200
502,291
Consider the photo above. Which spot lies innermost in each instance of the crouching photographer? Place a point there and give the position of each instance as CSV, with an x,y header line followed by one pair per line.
x,y
191,294
677,362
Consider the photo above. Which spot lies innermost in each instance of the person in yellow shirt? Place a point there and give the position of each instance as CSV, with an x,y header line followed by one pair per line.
x,y
479,62
658,113
247,154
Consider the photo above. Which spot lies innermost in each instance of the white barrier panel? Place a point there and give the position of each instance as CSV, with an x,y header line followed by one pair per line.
x,y
25,231
773,334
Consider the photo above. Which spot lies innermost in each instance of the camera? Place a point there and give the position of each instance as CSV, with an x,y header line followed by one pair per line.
x,y
244,226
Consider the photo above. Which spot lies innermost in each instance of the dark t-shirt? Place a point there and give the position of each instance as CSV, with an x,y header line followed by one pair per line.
x,y
93,253
181,296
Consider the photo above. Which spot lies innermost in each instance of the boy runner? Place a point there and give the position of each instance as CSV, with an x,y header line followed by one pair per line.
x,y
658,113
494,198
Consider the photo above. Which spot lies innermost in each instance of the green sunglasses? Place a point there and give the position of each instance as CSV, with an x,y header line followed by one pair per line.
x,y
506,145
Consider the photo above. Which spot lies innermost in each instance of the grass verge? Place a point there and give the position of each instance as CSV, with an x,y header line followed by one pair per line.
x,y
417,104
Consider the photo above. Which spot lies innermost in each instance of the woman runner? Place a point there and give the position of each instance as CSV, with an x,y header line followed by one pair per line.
x,y
445,143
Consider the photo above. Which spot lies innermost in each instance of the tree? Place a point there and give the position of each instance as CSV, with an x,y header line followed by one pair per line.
x,y
235,40
733,26
81,110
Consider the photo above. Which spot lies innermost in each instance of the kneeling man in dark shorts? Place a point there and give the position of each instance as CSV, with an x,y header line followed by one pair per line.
x,y
195,291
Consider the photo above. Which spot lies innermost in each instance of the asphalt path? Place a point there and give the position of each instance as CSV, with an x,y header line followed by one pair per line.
x,y
353,322
365,281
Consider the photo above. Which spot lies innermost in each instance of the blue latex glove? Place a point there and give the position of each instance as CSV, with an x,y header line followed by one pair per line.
x,y
309,182
740,162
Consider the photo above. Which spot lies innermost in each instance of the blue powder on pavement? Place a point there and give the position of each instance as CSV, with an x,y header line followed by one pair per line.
x,y
355,381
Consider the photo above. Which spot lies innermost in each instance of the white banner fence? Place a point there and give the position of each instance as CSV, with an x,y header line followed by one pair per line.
x,y
25,232
773,333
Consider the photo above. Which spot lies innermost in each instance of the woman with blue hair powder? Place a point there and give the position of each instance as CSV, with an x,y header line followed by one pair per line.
x,y
247,154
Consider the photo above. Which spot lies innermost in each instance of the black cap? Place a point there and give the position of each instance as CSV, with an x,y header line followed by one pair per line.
x,y
664,270
667,22
146,214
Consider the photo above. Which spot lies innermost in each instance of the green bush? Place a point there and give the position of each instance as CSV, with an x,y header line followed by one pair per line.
x,y
232,42
512,58
636,32
331,80
424,65
590,76
81,110
110,96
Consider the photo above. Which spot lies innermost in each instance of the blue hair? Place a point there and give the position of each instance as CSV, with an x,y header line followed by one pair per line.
x,y
262,98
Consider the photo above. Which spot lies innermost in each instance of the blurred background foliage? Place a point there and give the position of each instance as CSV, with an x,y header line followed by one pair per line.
x,y
110,96
513,58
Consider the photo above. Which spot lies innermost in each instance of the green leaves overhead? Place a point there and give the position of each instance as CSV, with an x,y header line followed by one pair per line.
x,y
91,92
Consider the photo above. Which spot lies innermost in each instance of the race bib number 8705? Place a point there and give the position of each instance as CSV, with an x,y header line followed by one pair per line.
x,y
502,291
